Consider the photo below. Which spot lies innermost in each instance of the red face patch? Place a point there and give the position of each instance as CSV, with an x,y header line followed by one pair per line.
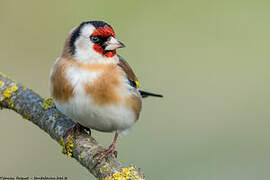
x,y
104,32
110,53
100,50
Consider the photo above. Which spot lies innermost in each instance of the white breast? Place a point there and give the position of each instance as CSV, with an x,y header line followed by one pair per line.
x,y
82,108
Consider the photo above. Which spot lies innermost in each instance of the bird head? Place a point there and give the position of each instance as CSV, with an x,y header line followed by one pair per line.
x,y
92,40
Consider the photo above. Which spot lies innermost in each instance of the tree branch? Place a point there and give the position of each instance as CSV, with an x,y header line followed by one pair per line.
x,y
43,113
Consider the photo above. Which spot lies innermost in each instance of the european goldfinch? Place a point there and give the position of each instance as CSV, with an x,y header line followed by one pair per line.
x,y
93,85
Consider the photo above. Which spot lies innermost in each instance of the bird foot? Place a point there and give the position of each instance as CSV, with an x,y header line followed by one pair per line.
x,y
107,153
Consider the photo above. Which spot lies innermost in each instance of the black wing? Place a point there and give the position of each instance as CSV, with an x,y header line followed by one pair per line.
x,y
145,94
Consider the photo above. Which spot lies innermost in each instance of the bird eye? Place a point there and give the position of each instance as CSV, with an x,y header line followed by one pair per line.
x,y
94,39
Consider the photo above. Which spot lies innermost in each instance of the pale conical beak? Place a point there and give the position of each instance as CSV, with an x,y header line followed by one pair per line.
x,y
112,44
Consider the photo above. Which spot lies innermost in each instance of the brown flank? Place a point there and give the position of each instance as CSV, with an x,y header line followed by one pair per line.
x,y
61,89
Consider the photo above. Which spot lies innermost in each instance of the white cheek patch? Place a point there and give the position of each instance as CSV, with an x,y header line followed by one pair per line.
x,y
83,44
84,51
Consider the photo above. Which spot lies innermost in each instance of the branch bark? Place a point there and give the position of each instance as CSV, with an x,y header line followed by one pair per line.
x,y
43,113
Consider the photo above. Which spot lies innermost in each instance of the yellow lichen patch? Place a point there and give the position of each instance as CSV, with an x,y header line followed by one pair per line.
x,y
125,174
57,116
104,168
26,116
68,146
47,103
10,103
82,156
8,92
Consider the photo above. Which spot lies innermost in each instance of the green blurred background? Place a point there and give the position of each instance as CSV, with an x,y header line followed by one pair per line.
x,y
210,59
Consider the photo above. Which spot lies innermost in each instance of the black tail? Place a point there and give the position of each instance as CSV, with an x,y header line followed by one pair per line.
x,y
146,94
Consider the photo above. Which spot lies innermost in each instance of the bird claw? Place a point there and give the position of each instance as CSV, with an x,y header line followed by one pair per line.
x,y
106,154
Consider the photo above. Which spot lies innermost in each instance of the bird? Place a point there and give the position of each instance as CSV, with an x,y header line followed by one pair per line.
x,y
93,85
